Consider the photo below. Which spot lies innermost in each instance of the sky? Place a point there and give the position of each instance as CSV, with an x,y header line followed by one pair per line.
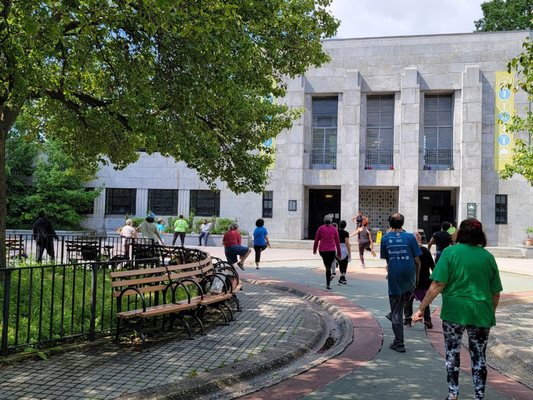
x,y
372,18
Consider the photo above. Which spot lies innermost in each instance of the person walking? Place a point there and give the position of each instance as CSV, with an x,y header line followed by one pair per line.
x,y
344,239
401,252
148,229
468,278
426,266
327,242
358,219
233,248
127,233
180,229
365,241
161,227
205,230
44,235
441,239
261,241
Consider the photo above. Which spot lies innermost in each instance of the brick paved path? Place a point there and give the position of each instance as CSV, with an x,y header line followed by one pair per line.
x,y
510,344
270,320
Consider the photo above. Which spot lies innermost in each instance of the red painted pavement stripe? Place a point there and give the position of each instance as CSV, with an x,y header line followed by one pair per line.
x,y
495,379
368,338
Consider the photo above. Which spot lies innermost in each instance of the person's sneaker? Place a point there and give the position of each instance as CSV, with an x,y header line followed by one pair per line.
x,y
388,317
400,348
428,324
328,287
344,282
240,265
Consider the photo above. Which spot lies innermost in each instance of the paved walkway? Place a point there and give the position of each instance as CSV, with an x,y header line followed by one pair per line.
x,y
274,324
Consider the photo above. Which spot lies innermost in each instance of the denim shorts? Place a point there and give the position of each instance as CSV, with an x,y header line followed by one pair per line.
x,y
234,251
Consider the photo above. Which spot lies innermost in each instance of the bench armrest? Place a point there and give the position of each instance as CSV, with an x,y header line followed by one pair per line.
x,y
119,298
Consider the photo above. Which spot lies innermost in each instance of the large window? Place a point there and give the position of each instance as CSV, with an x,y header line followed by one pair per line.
x,y
438,132
268,197
205,203
379,132
120,201
163,201
324,141
501,209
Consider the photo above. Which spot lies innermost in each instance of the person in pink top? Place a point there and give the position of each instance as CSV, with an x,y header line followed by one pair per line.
x,y
328,245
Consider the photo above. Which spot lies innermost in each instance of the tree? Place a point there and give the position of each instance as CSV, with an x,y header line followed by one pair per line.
x,y
505,15
522,156
20,156
186,78
58,188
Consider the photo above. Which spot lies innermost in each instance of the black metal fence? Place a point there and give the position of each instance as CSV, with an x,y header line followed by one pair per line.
x,y
67,249
69,297
47,304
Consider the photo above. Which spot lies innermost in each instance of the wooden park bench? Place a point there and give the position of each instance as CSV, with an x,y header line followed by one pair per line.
x,y
82,250
15,248
172,292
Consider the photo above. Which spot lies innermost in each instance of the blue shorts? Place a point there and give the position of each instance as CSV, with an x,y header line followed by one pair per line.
x,y
234,251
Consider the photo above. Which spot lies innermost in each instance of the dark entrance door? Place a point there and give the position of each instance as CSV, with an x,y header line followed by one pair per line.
x,y
434,207
322,202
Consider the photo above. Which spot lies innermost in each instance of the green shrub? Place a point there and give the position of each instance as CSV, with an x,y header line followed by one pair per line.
x,y
222,225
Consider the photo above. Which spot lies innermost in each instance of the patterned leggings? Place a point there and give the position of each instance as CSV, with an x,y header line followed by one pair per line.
x,y
477,342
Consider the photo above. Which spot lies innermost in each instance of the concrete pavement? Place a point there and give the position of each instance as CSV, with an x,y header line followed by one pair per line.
x,y
277,343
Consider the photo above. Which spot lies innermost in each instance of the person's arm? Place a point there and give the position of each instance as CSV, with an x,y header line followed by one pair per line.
x,y
348,246
268,241
317,239
434,290
495,300
338,244
431,243
418,266
370,238
356,232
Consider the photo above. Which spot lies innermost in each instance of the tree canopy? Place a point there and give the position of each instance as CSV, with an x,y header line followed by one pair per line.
x,y
505,15
190,79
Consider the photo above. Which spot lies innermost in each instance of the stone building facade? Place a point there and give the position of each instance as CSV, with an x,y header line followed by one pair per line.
x,y
394,123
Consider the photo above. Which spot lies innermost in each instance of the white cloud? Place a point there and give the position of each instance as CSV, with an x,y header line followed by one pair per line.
x,y
370,18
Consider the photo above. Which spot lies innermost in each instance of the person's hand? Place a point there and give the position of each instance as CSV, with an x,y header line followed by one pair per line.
x,y
417,316
314,252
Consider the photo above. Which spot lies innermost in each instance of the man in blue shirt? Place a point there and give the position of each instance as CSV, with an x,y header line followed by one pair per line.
x,y
401,251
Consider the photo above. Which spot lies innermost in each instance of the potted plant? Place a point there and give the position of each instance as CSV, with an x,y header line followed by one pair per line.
x,y
529,240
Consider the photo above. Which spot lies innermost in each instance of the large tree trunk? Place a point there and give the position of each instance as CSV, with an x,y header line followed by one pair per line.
x,y
7,119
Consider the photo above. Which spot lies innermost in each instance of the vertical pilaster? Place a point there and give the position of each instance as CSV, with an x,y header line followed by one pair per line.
x,y
141,201
348,144
471,142
184,198
408,154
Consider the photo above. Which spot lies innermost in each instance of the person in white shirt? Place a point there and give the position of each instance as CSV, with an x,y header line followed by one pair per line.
x,y
205,230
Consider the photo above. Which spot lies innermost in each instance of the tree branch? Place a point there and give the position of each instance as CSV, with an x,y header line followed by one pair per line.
x,y
91,101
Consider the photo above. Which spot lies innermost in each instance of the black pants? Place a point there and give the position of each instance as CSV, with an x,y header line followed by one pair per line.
x,y
408,310
397,304
47,245
328,257
258,250
182,238
343,265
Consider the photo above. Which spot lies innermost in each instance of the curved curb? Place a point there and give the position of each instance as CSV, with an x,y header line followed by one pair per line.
x,y
368,339
237,379
495,379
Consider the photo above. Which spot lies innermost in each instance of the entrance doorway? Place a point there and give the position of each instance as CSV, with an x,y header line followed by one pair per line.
x,y
434,207
322,202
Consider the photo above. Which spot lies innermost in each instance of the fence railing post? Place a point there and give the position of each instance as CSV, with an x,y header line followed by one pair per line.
x,y
92,325
5,310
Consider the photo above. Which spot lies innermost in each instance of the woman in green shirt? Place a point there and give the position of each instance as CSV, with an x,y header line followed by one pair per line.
x,y
468,277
